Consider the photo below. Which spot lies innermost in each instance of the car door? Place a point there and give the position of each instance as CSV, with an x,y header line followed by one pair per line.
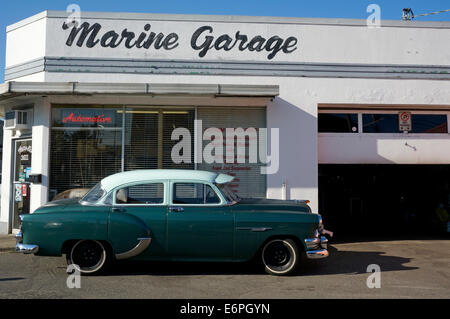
x,y
200,223
145,202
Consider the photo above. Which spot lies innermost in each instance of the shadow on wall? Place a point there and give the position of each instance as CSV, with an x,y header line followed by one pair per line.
x,y
297,145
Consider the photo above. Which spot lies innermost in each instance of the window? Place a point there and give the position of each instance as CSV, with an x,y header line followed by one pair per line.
x,y
91,142
148,137
420,123
337,123
380,123
152,193
94,194
429,123
194,193
86,146
248,182
229,195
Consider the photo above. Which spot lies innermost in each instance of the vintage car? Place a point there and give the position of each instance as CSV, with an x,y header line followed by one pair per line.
x,y
173,215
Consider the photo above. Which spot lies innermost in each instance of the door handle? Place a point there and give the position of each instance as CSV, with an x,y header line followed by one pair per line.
x,y
118,210
176,209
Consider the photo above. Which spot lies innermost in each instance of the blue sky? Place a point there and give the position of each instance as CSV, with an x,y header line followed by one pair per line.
x,y
13,11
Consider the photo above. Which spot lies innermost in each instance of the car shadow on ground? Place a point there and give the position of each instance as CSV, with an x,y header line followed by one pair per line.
x,y
354,262
156,268
339,262
364,238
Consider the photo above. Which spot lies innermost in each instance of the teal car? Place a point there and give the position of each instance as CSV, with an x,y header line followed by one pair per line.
x,y
172,215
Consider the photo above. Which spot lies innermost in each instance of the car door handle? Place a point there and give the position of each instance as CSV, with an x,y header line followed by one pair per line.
x,y
118,209
176,209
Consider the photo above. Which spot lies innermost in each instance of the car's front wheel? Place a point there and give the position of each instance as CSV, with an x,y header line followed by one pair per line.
x,y
280,256
88,256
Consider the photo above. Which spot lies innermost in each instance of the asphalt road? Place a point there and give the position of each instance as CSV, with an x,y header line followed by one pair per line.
x,y
409,269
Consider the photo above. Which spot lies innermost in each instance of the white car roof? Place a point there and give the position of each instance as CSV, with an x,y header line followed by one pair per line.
x,y
143,175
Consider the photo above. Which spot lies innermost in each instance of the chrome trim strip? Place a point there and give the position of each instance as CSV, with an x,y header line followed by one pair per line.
x,y
27,249
138,249
255,229
317,254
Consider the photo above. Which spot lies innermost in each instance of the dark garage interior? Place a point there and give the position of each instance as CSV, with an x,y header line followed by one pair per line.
x,y
383,200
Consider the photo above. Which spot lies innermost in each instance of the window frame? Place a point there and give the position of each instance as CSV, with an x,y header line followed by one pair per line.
x,y
116,189
213,187
361,111
350,112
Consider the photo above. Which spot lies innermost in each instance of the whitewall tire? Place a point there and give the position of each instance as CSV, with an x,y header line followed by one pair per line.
x,y
280,256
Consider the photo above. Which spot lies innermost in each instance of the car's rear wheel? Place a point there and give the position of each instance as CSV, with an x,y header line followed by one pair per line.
x,y
88,256
280,256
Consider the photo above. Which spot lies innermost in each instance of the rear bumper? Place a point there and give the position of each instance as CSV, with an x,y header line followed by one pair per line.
x,y
27,249
316,248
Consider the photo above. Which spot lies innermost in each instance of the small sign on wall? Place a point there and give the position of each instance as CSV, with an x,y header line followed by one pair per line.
x,y
404,121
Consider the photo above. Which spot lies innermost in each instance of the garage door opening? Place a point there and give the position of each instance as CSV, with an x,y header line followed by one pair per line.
x,y
384,200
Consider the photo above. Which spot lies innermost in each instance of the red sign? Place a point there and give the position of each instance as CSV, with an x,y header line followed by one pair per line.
x,y
404,121
72,118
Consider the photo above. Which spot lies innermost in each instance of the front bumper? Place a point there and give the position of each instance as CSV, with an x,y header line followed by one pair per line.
x,y
316,248
25,248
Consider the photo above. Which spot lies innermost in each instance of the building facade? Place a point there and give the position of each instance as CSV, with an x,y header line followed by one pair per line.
x,y
103,94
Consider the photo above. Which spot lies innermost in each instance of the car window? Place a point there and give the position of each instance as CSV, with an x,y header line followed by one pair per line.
x,y
94,194
109,199
148,193
194,193
229,195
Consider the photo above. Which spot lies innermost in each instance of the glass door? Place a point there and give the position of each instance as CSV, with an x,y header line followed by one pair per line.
x,y
21,184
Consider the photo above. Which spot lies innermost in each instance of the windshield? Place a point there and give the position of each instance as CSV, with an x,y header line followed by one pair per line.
x,y
94,194
229,195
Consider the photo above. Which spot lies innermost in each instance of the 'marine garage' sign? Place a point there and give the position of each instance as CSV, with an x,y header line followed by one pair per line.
x,y
202,40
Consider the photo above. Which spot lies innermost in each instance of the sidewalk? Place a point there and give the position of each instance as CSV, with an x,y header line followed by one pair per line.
x,y
7,243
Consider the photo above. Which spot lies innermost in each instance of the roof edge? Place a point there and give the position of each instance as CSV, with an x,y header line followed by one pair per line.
x,y
227,19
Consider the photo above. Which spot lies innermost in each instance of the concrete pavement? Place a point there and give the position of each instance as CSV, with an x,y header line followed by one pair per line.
x,y
409,269
7,243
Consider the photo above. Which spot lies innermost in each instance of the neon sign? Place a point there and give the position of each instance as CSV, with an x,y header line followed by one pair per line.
x,y
72,118
87,117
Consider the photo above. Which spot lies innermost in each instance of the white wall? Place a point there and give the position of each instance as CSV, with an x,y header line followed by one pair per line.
x,y
384,148
40,157
26,43
317,43
319,40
